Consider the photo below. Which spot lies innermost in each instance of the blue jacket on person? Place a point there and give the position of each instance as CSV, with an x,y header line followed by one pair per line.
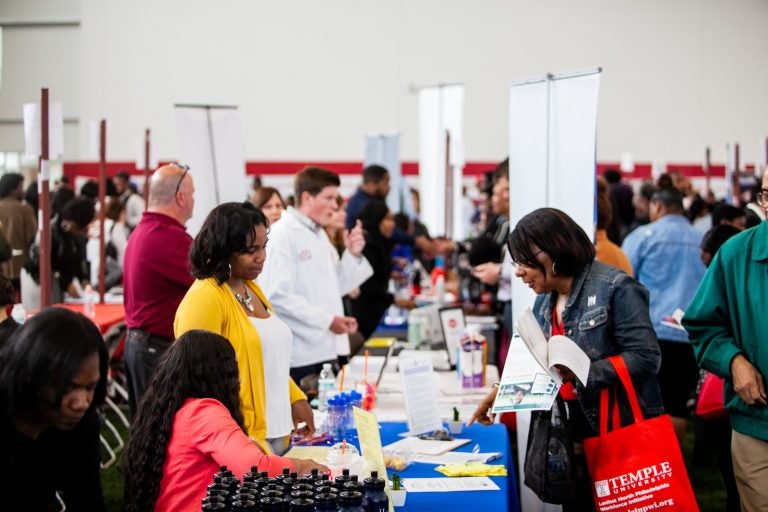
x,y
606,315
666,257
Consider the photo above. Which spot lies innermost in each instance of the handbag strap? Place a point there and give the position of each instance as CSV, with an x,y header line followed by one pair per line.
x,y
621,370
604,410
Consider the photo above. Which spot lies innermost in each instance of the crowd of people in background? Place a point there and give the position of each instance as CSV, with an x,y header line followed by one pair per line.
x,y
287,285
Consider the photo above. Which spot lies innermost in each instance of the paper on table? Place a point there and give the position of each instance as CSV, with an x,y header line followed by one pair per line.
x,y
455,458
464,483
370,446
316,453
426,446
420,393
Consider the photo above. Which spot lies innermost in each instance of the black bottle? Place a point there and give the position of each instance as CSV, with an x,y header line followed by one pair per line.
x,y
288,483
321,489
326,502
264,480
243,505
218,480
252,476
271,504
351,502
354,485
215,499
285,474
302,495
217,491
305,479
221,507
323,481
374,497
249,488
342,479
273,491
303,487
302,505
222,472
244,495
231,483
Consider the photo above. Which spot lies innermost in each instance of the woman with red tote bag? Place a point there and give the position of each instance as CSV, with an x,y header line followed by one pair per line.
x,y
605,312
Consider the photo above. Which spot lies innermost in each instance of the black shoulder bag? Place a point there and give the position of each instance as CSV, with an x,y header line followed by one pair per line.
x,y
550,470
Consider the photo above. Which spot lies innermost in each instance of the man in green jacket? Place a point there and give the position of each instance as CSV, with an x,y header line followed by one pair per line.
x,y
727,322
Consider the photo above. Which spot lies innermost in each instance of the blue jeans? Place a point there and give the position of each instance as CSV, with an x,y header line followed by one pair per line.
x,y
143,351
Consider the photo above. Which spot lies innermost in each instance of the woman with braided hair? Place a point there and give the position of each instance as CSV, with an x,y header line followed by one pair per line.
x,y
188,424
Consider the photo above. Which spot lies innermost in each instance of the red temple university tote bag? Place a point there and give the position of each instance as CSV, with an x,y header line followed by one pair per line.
x,y
637,467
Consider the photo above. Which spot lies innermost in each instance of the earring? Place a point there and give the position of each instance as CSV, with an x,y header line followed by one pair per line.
x,y
230,269
554,272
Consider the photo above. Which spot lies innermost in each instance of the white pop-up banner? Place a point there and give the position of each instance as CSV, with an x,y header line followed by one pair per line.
x,y
552,130
210,143
441,116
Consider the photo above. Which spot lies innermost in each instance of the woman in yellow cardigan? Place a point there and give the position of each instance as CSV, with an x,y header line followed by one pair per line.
x,y
226,257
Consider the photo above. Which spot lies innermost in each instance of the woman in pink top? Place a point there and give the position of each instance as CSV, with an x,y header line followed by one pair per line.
x,y
188,424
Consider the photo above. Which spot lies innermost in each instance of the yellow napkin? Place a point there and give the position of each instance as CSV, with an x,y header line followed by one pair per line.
x,y
472,469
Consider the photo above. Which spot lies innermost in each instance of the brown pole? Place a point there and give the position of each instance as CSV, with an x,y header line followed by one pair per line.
x,y
146,169
45,206
708,168
102,207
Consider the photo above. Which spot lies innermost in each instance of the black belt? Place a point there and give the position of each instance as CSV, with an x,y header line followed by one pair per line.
x,y
149,338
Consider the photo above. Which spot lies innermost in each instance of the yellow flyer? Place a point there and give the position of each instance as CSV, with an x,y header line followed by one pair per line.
x,y
370,446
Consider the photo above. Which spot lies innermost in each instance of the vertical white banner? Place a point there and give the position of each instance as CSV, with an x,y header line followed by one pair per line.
x,y
210,143
552,130
573,129
32,125
384,150
441,112
528,161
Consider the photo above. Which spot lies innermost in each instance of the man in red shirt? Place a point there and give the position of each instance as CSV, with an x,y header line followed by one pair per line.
x,y
156,274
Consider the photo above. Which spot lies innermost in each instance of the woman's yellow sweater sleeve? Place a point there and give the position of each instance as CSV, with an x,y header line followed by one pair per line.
x,y
295,391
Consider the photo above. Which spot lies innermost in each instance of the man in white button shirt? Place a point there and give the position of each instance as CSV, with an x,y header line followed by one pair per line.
x,y
305,279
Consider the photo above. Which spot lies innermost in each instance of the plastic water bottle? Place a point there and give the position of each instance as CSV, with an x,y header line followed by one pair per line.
x,y
438,270
89,305
326,382
337,418
440,289
414,327
18,313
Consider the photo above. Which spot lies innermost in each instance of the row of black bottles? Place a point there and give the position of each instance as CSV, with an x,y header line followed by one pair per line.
x,y
290,492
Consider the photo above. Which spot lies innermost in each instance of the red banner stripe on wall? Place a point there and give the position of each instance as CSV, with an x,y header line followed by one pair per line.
x,y
409,168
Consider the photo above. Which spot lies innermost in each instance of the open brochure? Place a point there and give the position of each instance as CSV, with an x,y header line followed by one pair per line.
x,y
530,380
